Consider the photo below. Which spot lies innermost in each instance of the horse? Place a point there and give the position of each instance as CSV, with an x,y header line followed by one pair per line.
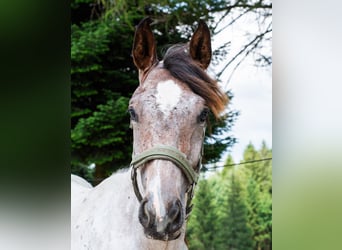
x,y
146,207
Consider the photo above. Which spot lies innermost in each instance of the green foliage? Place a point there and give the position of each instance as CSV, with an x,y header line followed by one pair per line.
x,y
201,229
103,78
259,194
238,233
233,207
97,135
88,43
260,171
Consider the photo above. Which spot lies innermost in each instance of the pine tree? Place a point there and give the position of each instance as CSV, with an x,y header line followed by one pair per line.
x,y
235,228
238,204
103,77
250,153
266,167
260,171
259,216
228,167
220,187
259,195
254,210
201,226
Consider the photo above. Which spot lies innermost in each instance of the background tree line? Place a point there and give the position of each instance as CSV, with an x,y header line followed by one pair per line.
x,y
233,207
103,76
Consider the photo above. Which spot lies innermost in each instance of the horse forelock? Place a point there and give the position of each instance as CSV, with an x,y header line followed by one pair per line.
x,y
181,66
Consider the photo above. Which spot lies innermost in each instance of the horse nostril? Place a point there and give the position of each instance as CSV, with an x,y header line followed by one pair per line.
x,y
145,214
159,225
176,216
174,211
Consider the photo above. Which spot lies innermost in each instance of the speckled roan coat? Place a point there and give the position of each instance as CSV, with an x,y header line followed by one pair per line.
x,y
169,107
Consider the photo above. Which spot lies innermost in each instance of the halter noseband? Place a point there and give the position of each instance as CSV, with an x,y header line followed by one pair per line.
x,y
171,154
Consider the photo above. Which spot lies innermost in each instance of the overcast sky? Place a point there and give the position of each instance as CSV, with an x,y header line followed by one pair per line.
x,y
252,89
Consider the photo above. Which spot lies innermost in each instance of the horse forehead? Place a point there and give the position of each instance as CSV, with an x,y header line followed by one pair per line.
x,y
162,92
168,95
173,97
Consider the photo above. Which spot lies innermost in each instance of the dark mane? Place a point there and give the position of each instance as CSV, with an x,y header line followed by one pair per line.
x,y
181,66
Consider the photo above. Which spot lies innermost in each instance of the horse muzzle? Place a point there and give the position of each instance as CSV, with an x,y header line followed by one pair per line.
x,y
166,226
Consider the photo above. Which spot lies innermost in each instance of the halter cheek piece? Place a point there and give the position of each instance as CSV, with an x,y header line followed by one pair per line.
x,y
171,154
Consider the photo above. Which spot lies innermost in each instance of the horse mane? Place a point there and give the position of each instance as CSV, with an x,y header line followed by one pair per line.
x,y
181,66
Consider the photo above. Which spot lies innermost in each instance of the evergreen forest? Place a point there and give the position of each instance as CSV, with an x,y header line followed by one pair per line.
x,y
233,205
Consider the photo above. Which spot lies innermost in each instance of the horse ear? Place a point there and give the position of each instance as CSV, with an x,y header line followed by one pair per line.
x,y
144,47
200,45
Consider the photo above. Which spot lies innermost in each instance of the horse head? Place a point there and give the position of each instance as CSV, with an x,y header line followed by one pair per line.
x,y
168,113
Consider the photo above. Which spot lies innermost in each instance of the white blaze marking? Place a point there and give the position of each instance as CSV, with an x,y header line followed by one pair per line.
x,y
168,96
156,189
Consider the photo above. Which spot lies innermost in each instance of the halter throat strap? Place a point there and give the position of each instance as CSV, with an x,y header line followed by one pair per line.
x,y
165,153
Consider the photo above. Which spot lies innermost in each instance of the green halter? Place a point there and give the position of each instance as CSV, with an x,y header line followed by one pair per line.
x,y
171,154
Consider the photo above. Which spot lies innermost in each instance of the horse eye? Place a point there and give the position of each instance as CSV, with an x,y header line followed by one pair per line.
x,y
203,116
134,116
